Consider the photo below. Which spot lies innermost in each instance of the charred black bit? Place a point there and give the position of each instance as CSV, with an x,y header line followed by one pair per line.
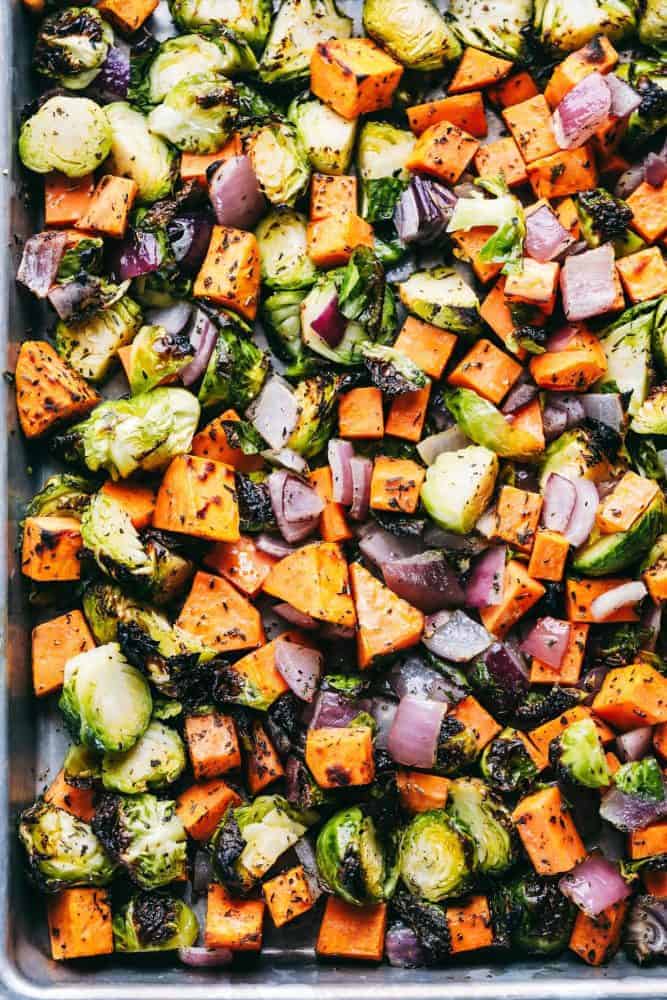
x,y
154,917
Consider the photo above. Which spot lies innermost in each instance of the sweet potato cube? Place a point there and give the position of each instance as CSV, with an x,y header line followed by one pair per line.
x,y
464,110
233,923
354,76
341,757
80,924
486,370
443,151
333,523
331,194
566,212
242,563
194,166
201,807
655,883
360,414
66,199
632,696
531,128
288,895
429,347
502,156
355,932
127,15
478,69
79,802
48,392
221,617
649,211
51,547
137,499
655,579
598,55
549,555
53,643
395,484
649,842
563,173
197,497
211,442
421,792
332,240
596,939
544,734
628,500
514,89
110,206
315,580
518,516
471,714
212,744
547,832
581,363
535,283
262,763
580,594
407,414
469,243
570,668
259,674
470,925
643,274
230,274
519,594
528,420
386,623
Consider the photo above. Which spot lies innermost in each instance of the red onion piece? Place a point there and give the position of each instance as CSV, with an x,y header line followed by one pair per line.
x,y
651,622
448,440
613,600
587,283
560,497
581,111
173,318
201,873
306,854
380,546
340,453
548,641
295,617
235,193
274,546
73,298
655,169
559,340
554,422
275,412
334,710
40,261
521,394
426,581
402,947
413,738
546,237
203,337
423,210
189,236
605,407
594,885
582,518
296,505
362,470
138,254
631,812
635,744
330,323
629,180
300,666
454,636
624,100
486,583
335,632
205,958
286,459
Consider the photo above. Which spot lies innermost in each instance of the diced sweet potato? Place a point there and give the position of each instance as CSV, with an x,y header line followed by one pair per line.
x,y
242,563
341,757
288,895
655,578
127,15
597,56
478,69
233,923
395,484
350,931
570,668
655,883
48,392
110,206
596,939
407,414
259,672
549,555
360,414
563,173
213,745
470,925
487,370
443,151
632,696
211,442
332,240
502,156
230,274
528,420
330,194
262,763
464,110
531,128
567,214
649,842
643,274
53,643
580,594
429,347
333,523
473,716
649,211
605,140
51,547
547,832
79,802
544,734
354,76
628,500
496,313
581,363
519,594
221,617
136,499
194,166
66,199
201,807
469,243
315,580
386,623
421,792
518,516
515,89
80,924
197,497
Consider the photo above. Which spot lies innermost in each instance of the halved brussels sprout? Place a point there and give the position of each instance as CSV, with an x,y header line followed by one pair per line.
x,y
62,850
84,256
297,28
137,153
651,417
584,451
348,349
484,424
565,26
501,26
109,536
605,219
91,345
251,838
435,858
82,766
63,494
443,298
506,764
353,860
279,161
414,31
659,334
236,371
317,407
69,134
186,56
392,371
283,252
381,155
653,23
605,554
154,922
251,19
456,748
71,46
197,114
155,761
459,486
327,138
487,821
173,568
106,702
577,756
125,435
156,356
145,835
281,316
539,917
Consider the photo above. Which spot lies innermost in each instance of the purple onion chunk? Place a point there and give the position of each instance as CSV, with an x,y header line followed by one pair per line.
x,y
426,581
423,211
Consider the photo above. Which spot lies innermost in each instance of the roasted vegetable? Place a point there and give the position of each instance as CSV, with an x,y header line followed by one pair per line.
x,y
506,763
139,154
577,756
91,345
297,28
646,930
415,33
327,138
62,850
538,915
197,114
474,808
154,922
436,859
72,45
354,860
144,835
236,370
382,152
155,761
250,19
500,26
279,160
69,134
564,28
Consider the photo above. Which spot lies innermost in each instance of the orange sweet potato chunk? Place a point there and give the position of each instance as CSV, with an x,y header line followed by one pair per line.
x,y
354,76
341,757
233,923
80,924
202,806
53,643
548,833
386,623
213,745
230,274
197,497
221,617
355,932
315,580
48,392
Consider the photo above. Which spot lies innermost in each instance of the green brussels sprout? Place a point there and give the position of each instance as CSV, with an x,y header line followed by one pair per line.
x,y
326,136
106,702
72,46
63,495
604,219
317,408
659,334
139,154
125,435
91,345
502,211
458,487
111,539
577,756
348,349
352,859
154,922
392,371
145,836
564,27
649,78
443,298
474,808
69,134
456,748
642,778
297,28
627,346
279,160
539,707
604,554
62,850
83,257
254,105
156,357
500,26
506,764
82,766
236,371
250,19
414,31
578,452
435,858
651,417
198,114
484,424
255,510
281,318
283,251
186,56
155,761
382,152
538,915
653,24
173,569
251,838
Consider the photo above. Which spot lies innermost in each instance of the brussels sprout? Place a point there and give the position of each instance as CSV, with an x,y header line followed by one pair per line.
x,y
348,349
197,114
155,761
428,922
651,417
62,850
125,435
63,495
106,702
414,31
501,26
484,424
659,334
317,402
642,778
236,371
82,766
251,19
564,27
69,134
327,138
153,922
435,857
604,554
579,452
392,371
279,160
505,213
352,859
627,346
254,105
72,45
381,155
283,252
186,56
83,257
443,298
251,838
91,345
649,78
540,917
604,219
156,357
653,24
297,28
577,756
255,510
506,763
474,808
109,536
145,836
139,154
459,486
540,707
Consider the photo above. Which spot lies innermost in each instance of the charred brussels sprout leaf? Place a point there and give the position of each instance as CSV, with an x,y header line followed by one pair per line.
x,y
443,298
156,356
144,835
255,510
297,28
605,219
251,19
62,850
577,755
436,859
138,153
155,761
353,860
72,45
501,26
64,494
649,78
110,538
236,371
540,707
539,916
642,778
154,922
197,114
281,315
476,809
506,764
414,31
91,345
428,921
391,371
456,748
69,134
317,400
